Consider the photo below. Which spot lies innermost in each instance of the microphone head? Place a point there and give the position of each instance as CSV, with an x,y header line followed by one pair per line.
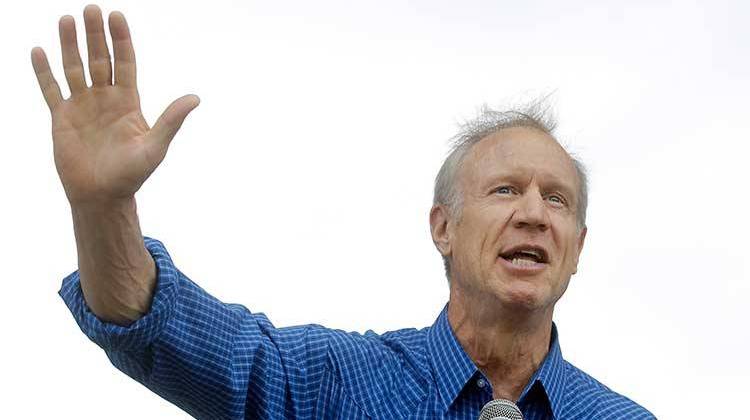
x,y
500,409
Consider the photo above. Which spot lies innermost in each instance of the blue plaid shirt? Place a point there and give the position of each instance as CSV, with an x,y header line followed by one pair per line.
x,y
220,361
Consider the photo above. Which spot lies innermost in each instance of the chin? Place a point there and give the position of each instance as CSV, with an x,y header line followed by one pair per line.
x,y
523,295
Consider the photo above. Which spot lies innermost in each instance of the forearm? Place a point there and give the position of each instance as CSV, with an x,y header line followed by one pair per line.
x,y
117,273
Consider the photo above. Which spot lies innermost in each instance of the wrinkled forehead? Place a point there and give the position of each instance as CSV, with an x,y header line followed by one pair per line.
x,y
519,153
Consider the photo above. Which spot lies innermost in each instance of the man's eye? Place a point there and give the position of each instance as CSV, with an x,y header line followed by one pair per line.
x,y
504,190
555,199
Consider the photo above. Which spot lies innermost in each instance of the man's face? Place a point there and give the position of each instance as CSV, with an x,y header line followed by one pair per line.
x,y
517,238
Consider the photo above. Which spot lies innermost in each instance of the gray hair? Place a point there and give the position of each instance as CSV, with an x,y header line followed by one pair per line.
x,y
535,115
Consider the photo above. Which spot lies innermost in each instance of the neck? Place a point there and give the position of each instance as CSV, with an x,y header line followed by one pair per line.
x,y
508,346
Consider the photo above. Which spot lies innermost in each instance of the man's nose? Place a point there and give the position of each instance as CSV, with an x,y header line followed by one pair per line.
x,y
531,212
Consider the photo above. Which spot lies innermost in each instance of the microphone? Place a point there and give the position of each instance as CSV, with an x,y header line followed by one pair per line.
x,y
500,409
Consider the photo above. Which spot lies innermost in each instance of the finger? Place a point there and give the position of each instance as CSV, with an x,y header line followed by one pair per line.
x,y
171,120
100,66
123,48
47,83
71,57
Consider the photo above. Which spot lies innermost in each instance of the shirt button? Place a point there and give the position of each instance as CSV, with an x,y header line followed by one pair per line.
x,y
481,382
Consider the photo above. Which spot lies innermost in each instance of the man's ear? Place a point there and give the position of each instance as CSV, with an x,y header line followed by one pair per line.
x,y
581,240
439,229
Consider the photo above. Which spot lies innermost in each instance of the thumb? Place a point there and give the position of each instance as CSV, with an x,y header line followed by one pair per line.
x,y
171,119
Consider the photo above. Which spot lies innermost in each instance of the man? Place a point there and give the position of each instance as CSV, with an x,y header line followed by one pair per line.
x,y
508,219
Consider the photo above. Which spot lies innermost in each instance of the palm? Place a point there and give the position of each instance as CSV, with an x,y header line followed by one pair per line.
x,y
99,145
104,149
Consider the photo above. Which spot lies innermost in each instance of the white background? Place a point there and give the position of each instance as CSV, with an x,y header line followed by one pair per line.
x,y
301,185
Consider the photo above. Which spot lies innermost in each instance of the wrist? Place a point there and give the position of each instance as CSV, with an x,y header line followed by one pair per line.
x,y
94,208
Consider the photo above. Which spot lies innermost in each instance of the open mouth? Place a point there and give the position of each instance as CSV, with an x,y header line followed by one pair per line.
x,y
526,256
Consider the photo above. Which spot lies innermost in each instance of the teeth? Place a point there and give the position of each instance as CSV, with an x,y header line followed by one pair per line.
x,y
533,253
522,262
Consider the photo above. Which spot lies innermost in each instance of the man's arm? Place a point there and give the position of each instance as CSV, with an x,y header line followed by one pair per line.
x,y
104,150
220,361
212,359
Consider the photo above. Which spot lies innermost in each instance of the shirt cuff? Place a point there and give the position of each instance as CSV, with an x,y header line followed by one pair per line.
x,y
142,332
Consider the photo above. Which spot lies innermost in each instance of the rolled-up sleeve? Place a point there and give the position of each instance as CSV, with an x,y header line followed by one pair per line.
x,y
142,332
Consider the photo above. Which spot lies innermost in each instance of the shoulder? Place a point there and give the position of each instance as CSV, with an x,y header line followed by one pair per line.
x,y
386,373
382,356
406,345
586,397
344,350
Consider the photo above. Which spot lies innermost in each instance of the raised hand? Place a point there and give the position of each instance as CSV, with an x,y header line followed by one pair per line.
x,y
104,149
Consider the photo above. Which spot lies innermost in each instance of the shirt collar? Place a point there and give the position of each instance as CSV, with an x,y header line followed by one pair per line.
x,y
453,367
551,375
